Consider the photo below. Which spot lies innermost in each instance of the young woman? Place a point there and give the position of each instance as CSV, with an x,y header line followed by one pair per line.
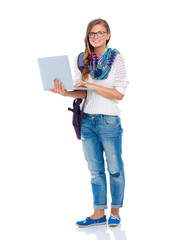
x,y
101,130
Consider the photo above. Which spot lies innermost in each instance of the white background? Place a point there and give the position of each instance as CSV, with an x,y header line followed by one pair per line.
x,y
44,181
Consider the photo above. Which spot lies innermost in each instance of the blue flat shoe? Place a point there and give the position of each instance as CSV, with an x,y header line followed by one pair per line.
x,y
114,220
88,222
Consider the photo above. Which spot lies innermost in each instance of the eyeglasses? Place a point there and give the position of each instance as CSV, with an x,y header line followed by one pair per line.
x,y
99,34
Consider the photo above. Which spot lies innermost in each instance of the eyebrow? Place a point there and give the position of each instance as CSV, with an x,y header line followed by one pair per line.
x,y
98,31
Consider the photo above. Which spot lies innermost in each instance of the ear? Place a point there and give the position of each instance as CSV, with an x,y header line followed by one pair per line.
x,y
108,36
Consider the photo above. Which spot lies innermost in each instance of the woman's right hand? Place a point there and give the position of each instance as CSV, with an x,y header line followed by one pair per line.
x,y
59,87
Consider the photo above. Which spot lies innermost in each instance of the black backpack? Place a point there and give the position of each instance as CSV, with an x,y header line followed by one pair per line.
x,y
77,112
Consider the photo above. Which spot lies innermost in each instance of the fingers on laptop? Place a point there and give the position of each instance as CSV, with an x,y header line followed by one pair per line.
x,y
81,84
58,85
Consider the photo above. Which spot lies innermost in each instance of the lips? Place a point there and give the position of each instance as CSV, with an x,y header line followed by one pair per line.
x,y
96,42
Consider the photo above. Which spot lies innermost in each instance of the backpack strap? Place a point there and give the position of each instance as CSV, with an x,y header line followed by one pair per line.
x,y
77,101
82,110
80,61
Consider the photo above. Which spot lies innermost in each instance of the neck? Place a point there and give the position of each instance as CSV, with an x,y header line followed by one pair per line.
x,y
99,50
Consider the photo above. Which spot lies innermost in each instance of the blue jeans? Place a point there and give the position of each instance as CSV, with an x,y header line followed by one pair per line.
x,y
103,134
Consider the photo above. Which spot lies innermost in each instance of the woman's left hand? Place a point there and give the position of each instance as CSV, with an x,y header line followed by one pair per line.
x,y
85,84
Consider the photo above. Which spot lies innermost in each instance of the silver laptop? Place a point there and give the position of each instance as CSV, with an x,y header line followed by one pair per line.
x,y
57,67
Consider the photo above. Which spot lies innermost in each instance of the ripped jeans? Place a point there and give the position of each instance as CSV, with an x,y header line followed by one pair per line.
x,y
103,134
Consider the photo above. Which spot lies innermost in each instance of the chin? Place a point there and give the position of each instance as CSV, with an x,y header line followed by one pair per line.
x,y
94,44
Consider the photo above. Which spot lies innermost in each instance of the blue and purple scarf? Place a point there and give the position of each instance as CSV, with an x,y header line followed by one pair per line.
x,y
100,68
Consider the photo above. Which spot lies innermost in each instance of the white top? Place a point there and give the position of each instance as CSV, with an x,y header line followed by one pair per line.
x,y
96,103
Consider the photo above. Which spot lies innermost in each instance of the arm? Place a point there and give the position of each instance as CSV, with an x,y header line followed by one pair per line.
x,y
111,93
77,94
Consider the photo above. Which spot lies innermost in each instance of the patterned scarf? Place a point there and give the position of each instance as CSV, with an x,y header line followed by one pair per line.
x,y
100,68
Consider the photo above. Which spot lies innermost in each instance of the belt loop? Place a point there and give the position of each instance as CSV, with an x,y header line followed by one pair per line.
x,y
101,117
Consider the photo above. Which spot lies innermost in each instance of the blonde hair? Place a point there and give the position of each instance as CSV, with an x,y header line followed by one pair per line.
x,y
88,47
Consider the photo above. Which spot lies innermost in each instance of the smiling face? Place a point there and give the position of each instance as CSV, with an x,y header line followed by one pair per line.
x,y
100,37
95,41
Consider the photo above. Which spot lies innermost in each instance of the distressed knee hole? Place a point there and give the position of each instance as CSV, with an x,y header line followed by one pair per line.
x,y
115,174
95,175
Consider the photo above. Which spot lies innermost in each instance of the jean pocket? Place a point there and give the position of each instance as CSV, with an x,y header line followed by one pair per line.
x,y
111,120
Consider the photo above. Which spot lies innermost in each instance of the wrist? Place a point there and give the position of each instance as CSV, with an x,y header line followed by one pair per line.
x,y
93,85
66,94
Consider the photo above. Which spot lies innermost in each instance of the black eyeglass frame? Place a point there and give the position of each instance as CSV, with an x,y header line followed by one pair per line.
x,y
96,33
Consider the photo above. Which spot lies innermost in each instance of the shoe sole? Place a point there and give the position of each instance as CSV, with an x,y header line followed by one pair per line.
x,y
90,225
114,225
